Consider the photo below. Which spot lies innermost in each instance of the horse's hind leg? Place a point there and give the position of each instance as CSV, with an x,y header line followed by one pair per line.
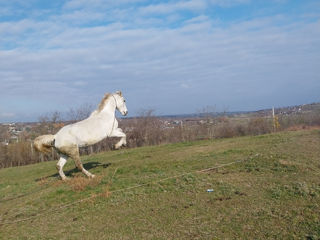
x,y
62,161
74,153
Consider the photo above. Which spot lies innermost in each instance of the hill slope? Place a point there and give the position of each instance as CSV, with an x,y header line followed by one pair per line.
x,y
157,193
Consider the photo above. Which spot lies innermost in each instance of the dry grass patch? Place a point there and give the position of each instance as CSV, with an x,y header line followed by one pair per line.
x,y
80,183
287,163
106,192
42,181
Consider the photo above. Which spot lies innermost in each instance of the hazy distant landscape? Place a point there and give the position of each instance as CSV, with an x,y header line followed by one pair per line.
x,y
16,147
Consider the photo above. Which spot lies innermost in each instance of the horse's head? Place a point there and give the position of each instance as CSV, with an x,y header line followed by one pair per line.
x,y
120,103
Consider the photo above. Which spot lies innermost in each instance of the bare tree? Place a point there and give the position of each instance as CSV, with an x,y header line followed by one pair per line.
x,y
4,134
208,114
80,113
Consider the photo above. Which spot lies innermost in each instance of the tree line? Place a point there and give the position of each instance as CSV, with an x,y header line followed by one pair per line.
x,y
148,129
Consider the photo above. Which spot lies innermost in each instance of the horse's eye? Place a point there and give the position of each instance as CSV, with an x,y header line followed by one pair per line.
x,y
124,100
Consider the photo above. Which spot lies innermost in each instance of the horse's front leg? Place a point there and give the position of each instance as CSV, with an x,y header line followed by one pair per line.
x,y
119,133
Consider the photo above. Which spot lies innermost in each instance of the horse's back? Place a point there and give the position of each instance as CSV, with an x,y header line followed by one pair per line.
x,y
83,133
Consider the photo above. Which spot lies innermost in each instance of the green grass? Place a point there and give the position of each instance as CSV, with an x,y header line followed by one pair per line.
x,y
274,193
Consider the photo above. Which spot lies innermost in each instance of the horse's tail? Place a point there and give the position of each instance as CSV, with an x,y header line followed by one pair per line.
x,y
44,143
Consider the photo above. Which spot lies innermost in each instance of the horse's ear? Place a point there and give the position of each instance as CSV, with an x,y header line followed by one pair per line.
x,y
119,93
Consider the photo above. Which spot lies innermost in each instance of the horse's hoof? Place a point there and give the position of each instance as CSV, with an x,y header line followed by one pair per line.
x,y
92,176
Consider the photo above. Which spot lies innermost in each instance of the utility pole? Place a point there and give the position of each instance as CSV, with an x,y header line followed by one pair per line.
x,y
276,124
273,120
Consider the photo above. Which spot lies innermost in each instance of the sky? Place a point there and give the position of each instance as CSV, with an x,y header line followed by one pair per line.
x,y
174,57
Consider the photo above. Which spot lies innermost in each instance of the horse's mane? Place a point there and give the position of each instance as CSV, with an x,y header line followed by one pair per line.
x,y
103,102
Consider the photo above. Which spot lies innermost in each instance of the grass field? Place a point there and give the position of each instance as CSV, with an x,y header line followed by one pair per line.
x,y
272,193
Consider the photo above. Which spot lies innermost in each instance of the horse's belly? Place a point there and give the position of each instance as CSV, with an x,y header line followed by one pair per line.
x,y
88,142
81,137
89,138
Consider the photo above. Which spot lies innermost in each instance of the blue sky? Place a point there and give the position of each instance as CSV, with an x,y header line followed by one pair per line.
x,y
172,56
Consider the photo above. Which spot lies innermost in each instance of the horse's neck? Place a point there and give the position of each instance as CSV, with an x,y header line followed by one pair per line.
x,y
107,112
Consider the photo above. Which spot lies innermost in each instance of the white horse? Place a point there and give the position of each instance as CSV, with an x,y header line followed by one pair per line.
x,y
100,124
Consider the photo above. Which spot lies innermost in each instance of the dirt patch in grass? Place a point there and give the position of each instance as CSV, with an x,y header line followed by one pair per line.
x,y
80,183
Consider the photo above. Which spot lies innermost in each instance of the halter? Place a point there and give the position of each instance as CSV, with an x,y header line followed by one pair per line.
x,y
115,100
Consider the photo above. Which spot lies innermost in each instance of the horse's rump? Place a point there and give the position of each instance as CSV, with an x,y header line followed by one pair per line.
x,y
44,143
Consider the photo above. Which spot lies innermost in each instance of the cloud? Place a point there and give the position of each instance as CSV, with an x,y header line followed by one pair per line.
x,y
6,115
185,85
165,8
228,3
80,83
75,4
79,17
56,63
99,4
